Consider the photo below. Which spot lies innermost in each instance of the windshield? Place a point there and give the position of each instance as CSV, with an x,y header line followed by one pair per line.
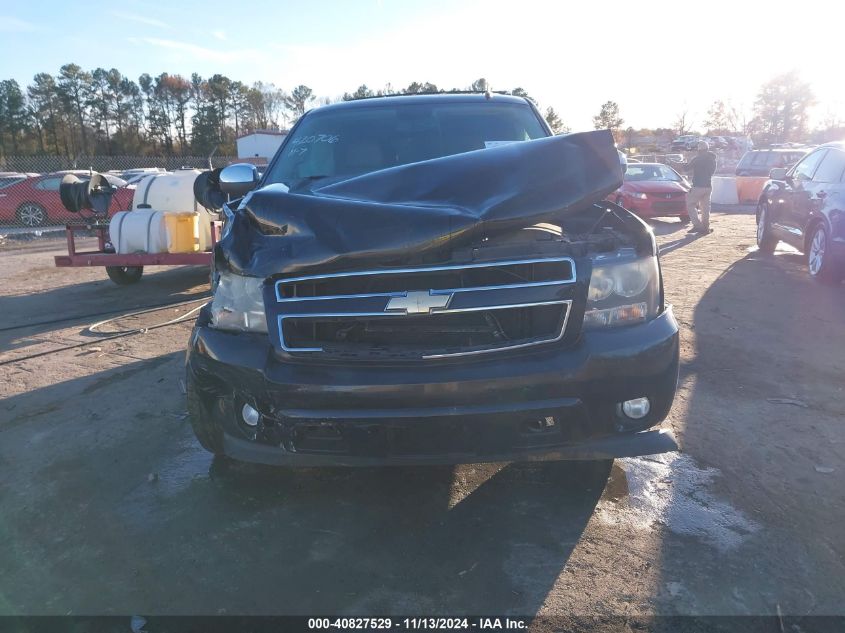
x,y
348,142
651,172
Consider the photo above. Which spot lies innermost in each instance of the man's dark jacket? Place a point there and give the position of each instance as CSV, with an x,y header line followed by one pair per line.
x,y
702,167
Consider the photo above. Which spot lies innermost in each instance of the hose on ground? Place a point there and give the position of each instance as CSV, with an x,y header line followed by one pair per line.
x,y
93,330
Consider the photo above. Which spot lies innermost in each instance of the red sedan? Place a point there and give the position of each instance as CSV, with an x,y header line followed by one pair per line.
x,y
35,201
653,190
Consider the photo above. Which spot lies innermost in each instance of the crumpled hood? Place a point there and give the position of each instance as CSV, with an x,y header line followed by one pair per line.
x,y
398,214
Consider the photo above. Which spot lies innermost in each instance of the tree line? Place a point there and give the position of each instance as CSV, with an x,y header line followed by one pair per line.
x,y
78,112
103,112
780,114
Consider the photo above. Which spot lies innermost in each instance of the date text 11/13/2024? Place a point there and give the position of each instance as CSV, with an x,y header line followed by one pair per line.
x,y
418,624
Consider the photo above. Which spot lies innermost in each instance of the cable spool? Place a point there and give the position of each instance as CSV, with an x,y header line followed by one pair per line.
x,y
93,194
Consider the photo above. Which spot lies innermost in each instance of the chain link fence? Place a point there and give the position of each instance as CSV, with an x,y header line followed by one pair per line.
x,y
666,159
29,185
725,161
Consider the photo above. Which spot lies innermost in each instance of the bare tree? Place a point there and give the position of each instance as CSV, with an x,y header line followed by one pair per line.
x,y
683,124
717,121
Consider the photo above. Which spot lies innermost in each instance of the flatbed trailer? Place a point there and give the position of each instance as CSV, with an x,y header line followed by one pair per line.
x,y
124,268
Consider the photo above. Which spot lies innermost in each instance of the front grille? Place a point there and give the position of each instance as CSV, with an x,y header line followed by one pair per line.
x,y
432,312
670,195
669,206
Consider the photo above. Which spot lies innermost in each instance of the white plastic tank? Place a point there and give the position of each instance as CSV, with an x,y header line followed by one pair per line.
x,y
155,231
170,191
161,193
141,231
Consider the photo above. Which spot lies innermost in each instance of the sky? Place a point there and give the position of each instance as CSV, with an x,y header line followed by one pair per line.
x,y
655,59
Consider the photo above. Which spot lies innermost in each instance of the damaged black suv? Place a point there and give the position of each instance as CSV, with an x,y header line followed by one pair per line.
x,y
432,279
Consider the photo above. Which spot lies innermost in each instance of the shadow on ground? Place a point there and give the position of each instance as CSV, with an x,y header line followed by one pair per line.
x,y
110,506
29,314
764,411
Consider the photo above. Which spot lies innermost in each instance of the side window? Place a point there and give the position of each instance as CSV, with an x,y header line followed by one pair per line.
x,y
760,158
831,168
804,170
49,184
8,182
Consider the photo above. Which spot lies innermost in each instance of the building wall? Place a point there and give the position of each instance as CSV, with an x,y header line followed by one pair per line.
x,y
260,145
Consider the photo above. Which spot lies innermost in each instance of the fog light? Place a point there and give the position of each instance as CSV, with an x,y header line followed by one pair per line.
x,y
250,416
636,408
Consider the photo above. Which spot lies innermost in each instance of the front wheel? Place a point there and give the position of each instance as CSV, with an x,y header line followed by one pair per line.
x,y
32,214
205,425
124,275
766,240
819,258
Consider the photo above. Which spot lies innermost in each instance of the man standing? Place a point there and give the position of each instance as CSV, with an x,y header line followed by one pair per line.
x,y
702,167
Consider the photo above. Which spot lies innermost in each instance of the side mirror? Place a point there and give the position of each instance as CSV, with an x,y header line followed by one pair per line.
x,y
238,179
778,173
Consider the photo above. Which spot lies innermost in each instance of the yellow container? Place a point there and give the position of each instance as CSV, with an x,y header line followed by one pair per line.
x,y
182,232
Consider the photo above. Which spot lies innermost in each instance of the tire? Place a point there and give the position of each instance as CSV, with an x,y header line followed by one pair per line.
x,y
684,219
766,240
208,431
819,258
124,275
32,214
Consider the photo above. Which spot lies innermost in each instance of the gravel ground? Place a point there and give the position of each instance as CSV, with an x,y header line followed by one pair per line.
x,y
108,504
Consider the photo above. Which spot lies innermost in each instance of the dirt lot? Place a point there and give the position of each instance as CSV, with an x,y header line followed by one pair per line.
x,y
108,504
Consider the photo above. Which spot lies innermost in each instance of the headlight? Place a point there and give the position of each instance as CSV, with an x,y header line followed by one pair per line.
x,y
238,304
639,196
624,289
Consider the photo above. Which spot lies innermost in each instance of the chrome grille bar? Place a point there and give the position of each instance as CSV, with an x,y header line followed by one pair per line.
x,y
365,305
428,269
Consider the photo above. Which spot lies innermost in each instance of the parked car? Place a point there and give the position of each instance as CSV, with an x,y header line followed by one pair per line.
x,y
653,190
35,201
717,142
685,142
129,174
427,279
805,207
8,178
759,162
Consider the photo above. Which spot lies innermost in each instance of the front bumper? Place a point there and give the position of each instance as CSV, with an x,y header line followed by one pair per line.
x,y
547,404
646,208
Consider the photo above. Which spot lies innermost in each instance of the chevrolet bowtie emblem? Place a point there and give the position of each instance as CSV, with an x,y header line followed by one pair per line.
x,y
418,302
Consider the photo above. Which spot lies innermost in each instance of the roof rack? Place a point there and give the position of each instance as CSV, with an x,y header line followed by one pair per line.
x,y
439,92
